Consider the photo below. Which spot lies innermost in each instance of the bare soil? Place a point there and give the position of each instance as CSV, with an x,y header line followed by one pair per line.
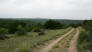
x,y
73,43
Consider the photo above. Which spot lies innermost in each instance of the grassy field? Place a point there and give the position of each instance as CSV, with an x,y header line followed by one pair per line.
x,y
28,42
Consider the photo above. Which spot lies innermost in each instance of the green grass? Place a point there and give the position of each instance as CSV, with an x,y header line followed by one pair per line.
x,y
56,46
28,42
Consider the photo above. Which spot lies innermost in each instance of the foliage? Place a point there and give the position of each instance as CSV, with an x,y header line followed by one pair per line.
x,y
88,25
75,25
42,33
85,38
38,27
21,30
28,28
52,24
30,24
56,46
12,27
3,31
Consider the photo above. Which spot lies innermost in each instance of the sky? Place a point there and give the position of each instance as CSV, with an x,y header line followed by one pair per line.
x,y
57,9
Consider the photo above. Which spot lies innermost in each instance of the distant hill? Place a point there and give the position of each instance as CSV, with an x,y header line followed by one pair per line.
x,y
64,21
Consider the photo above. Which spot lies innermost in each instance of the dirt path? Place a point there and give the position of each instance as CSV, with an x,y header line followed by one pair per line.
x,y
73,43
49,47
64,44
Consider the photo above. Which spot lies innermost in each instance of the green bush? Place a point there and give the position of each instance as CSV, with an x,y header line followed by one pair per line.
x,y
56,46
21,30
37,29
28,28
52,24
85,38
3,32
12,27
85,41
82,36
42,33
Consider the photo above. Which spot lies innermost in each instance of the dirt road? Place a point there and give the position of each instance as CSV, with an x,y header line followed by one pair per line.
x,y
49,47
73,43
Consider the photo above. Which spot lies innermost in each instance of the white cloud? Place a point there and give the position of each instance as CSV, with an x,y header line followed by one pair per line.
x,y
75,9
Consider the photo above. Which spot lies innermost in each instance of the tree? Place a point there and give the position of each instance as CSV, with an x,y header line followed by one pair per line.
x,y
21,30
87,24
28,28
3,32
12,27
52,24
73,25
37,27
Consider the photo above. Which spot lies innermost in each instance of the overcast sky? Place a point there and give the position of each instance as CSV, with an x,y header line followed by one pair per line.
x,y
63,9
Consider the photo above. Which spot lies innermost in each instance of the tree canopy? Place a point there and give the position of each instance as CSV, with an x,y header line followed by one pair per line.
x,y
52,24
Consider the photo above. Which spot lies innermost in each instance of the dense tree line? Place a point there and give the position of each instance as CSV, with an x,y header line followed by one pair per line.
x,y
21,27
14,26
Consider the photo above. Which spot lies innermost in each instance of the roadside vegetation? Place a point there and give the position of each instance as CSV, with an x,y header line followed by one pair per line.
x,y
85,38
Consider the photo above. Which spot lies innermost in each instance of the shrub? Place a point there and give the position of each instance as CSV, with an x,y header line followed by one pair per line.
x,y
74,25
56,46
36,29
3,31
82,36
21,30
41,33
85,38
12,27
28,28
